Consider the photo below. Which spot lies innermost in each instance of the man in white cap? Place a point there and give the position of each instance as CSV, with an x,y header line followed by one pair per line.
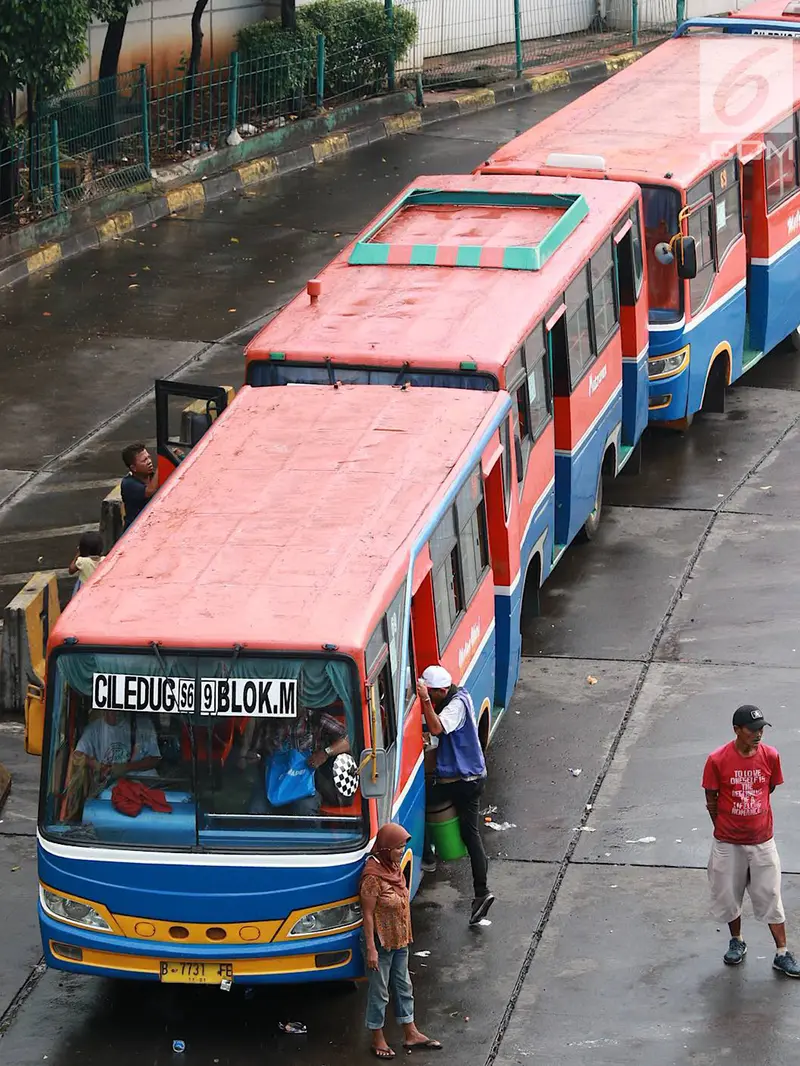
x,y
460,769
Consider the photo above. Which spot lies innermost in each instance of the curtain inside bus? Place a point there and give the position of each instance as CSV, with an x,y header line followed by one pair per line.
x,y
181,751
661,208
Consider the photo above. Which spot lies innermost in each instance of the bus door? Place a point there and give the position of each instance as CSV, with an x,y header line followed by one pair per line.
x,y
183,413
773,204
585,340
634,327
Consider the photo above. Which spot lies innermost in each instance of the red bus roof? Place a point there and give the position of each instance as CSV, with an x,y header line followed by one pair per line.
x,y
290,524
436,315
660,116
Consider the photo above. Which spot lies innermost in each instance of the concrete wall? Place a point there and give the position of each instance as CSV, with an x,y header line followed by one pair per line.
x,y
159,31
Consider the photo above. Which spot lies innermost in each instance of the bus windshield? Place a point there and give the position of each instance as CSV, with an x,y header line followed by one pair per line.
x,y
661,207
202,752
269,372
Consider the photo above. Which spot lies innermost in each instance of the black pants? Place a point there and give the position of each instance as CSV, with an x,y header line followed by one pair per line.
x,y
465,797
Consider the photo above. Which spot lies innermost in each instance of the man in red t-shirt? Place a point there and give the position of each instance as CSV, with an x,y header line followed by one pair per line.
x,y
738,780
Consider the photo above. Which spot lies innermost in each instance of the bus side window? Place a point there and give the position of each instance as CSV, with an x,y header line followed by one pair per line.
x,y
727,207
540,403
701,227
605,309
582,350
505,440
559,349
379,688
638,253
448,599
472,538
781,162
517,385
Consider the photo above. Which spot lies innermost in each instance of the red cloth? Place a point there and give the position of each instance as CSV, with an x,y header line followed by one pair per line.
x,y
744,814
128,797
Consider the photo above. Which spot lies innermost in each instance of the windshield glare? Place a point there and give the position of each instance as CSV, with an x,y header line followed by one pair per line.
x,y
190,751
661,207
283,373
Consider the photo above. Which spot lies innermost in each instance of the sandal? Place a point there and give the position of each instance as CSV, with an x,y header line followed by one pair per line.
x,y
382,1052
424,1045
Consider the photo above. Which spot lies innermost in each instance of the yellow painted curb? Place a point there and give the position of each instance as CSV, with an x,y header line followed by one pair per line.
x,y
411,120
476,100
114,226
123,220
614,63
545,83
45,257
328,146
180,199
258,170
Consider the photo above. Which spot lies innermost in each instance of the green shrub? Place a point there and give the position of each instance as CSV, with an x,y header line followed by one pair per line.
x,y
358,40
277,64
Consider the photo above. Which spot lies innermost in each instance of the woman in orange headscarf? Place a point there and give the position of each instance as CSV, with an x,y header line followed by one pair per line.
x,y
386,910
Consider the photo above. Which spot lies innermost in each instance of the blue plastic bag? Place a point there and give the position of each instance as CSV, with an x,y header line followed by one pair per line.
x,y
289,778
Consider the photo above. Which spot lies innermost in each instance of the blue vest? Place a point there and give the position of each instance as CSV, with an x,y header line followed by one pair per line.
x,y
459,754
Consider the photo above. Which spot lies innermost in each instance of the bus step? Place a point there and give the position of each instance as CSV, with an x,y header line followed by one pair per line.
x,y
750,356
625,452
558,551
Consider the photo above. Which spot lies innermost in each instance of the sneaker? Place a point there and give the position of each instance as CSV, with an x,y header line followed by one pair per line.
x,y
737,949
787,964
480,908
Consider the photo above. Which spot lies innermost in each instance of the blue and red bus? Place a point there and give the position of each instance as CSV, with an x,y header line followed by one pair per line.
x,y
720,199
318,548
533,285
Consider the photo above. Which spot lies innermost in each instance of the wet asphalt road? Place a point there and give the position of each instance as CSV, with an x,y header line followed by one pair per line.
x,y
600,949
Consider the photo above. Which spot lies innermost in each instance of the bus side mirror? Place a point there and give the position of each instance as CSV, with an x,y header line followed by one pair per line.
x,y
373,773
34,720
686,258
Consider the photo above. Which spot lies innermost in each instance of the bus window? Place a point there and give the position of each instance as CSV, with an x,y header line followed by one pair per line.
x,y
661,206
448,600
727,207
539,393
638,261
505,440
394,636
517,385
781,162
579,329
604,296
382,707
472,541
701,227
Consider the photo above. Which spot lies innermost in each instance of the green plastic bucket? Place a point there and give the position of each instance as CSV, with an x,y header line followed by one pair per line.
x,y
444,833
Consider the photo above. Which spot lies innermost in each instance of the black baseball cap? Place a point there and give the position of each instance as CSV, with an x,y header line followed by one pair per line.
x,y
750,717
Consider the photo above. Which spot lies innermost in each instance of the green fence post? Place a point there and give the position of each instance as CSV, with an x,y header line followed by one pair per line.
x,y
55,163
145,117
635,22
233,93
389,7
320,70
420,94
680,13
518,37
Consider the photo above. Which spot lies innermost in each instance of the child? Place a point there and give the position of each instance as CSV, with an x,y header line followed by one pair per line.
x,y
386,912
87,558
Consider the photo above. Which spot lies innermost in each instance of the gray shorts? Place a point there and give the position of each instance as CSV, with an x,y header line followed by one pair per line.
x,y
732,868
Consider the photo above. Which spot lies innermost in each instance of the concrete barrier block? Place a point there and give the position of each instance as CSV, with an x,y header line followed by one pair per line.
x,y
112,517
27,622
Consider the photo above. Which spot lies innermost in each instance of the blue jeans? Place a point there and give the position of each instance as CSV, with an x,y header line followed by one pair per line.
x,y
392,973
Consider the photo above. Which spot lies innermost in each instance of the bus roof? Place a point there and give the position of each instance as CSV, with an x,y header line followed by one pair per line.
x,y
659,119
290,525
441,314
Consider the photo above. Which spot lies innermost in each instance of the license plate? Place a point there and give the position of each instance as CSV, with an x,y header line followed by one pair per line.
x,y
195,973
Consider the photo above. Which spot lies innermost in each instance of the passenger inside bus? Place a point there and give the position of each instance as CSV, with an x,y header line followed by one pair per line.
x,y
315,732
111,746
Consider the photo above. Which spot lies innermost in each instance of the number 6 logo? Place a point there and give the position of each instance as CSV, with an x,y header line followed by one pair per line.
x,y
744,89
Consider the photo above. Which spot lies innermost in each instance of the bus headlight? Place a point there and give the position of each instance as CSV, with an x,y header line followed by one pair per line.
x,y
663,366
327,920
65,909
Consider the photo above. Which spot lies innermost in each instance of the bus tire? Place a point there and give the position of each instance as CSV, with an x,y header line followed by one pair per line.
x,y
794,338
714,396
592,524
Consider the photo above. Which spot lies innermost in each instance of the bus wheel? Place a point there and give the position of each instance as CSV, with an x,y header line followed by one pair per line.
x,y
794,338
714,398
592,523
